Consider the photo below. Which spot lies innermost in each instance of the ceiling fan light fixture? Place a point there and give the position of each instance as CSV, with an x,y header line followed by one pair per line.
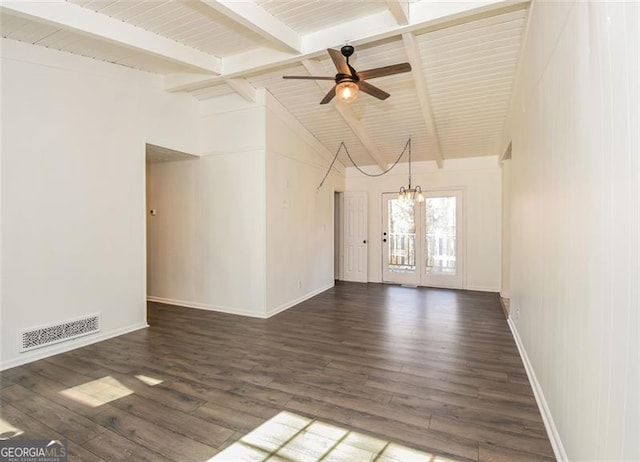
x,y
347,91
348,81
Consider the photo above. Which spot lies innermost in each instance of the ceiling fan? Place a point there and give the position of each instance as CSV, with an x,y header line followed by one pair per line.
x,y
348,81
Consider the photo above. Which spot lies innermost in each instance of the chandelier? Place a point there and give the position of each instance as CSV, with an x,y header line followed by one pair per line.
x,y
409,193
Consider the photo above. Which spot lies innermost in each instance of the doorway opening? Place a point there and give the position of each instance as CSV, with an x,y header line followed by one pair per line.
x,y
167,190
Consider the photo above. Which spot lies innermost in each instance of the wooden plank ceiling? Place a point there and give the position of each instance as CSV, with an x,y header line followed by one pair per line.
x,y
453,104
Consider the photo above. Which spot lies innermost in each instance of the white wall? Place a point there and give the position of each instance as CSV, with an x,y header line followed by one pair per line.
x,y
242,229
207,239
73,194
479,178
172,250
300,229
505,285
575,223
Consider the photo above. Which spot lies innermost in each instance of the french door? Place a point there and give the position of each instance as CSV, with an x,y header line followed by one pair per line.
x,y
422,242
400,248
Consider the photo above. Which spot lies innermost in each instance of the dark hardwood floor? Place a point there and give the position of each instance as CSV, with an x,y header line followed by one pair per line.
x,y
431,369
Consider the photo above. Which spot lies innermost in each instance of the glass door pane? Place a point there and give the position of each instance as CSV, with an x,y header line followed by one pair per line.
x,y
442,239
402,236
400,246
441,235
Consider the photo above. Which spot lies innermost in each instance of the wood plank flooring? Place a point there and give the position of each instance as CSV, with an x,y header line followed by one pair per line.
x,y
432,369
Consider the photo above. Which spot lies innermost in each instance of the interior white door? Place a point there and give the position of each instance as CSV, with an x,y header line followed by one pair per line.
x,y
400,240
355,236
443,240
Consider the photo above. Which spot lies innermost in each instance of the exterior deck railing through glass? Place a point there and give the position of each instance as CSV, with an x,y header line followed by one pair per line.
x,y
440,251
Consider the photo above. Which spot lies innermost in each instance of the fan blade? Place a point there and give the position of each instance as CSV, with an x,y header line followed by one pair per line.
x,y
373,91
339,61
386,70
307,77
329,96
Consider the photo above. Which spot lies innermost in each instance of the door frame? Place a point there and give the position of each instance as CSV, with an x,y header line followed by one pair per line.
x,y
461,241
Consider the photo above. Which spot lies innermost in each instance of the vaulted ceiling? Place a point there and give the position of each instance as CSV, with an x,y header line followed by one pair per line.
x,y
453,104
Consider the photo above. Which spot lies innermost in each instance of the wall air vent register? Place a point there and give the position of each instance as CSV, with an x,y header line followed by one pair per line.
x,y
55,333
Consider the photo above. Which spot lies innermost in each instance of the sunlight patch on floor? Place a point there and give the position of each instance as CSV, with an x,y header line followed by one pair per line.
x,y
8,431
97,392
148,380
289,437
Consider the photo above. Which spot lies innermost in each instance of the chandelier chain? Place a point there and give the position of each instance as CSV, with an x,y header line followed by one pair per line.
x,y
407,146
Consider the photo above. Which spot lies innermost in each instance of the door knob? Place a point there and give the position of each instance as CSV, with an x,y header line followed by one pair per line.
x,y
384,240
364,242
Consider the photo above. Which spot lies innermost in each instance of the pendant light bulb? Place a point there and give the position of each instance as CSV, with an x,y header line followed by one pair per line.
x,y
347,91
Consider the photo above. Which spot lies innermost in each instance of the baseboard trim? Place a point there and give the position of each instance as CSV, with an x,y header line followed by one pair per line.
x,y
204,306
473,288
505,303
547,418
482,289
292,303
70,345
229,310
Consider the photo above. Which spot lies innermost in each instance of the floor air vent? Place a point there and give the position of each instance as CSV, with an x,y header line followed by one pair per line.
x,y
56,333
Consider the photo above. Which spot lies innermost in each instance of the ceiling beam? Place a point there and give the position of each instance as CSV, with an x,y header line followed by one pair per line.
x,y
257,19
413,55
243,88
506,155
75,18
348,115
507,126
400,10
425,16
358,32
